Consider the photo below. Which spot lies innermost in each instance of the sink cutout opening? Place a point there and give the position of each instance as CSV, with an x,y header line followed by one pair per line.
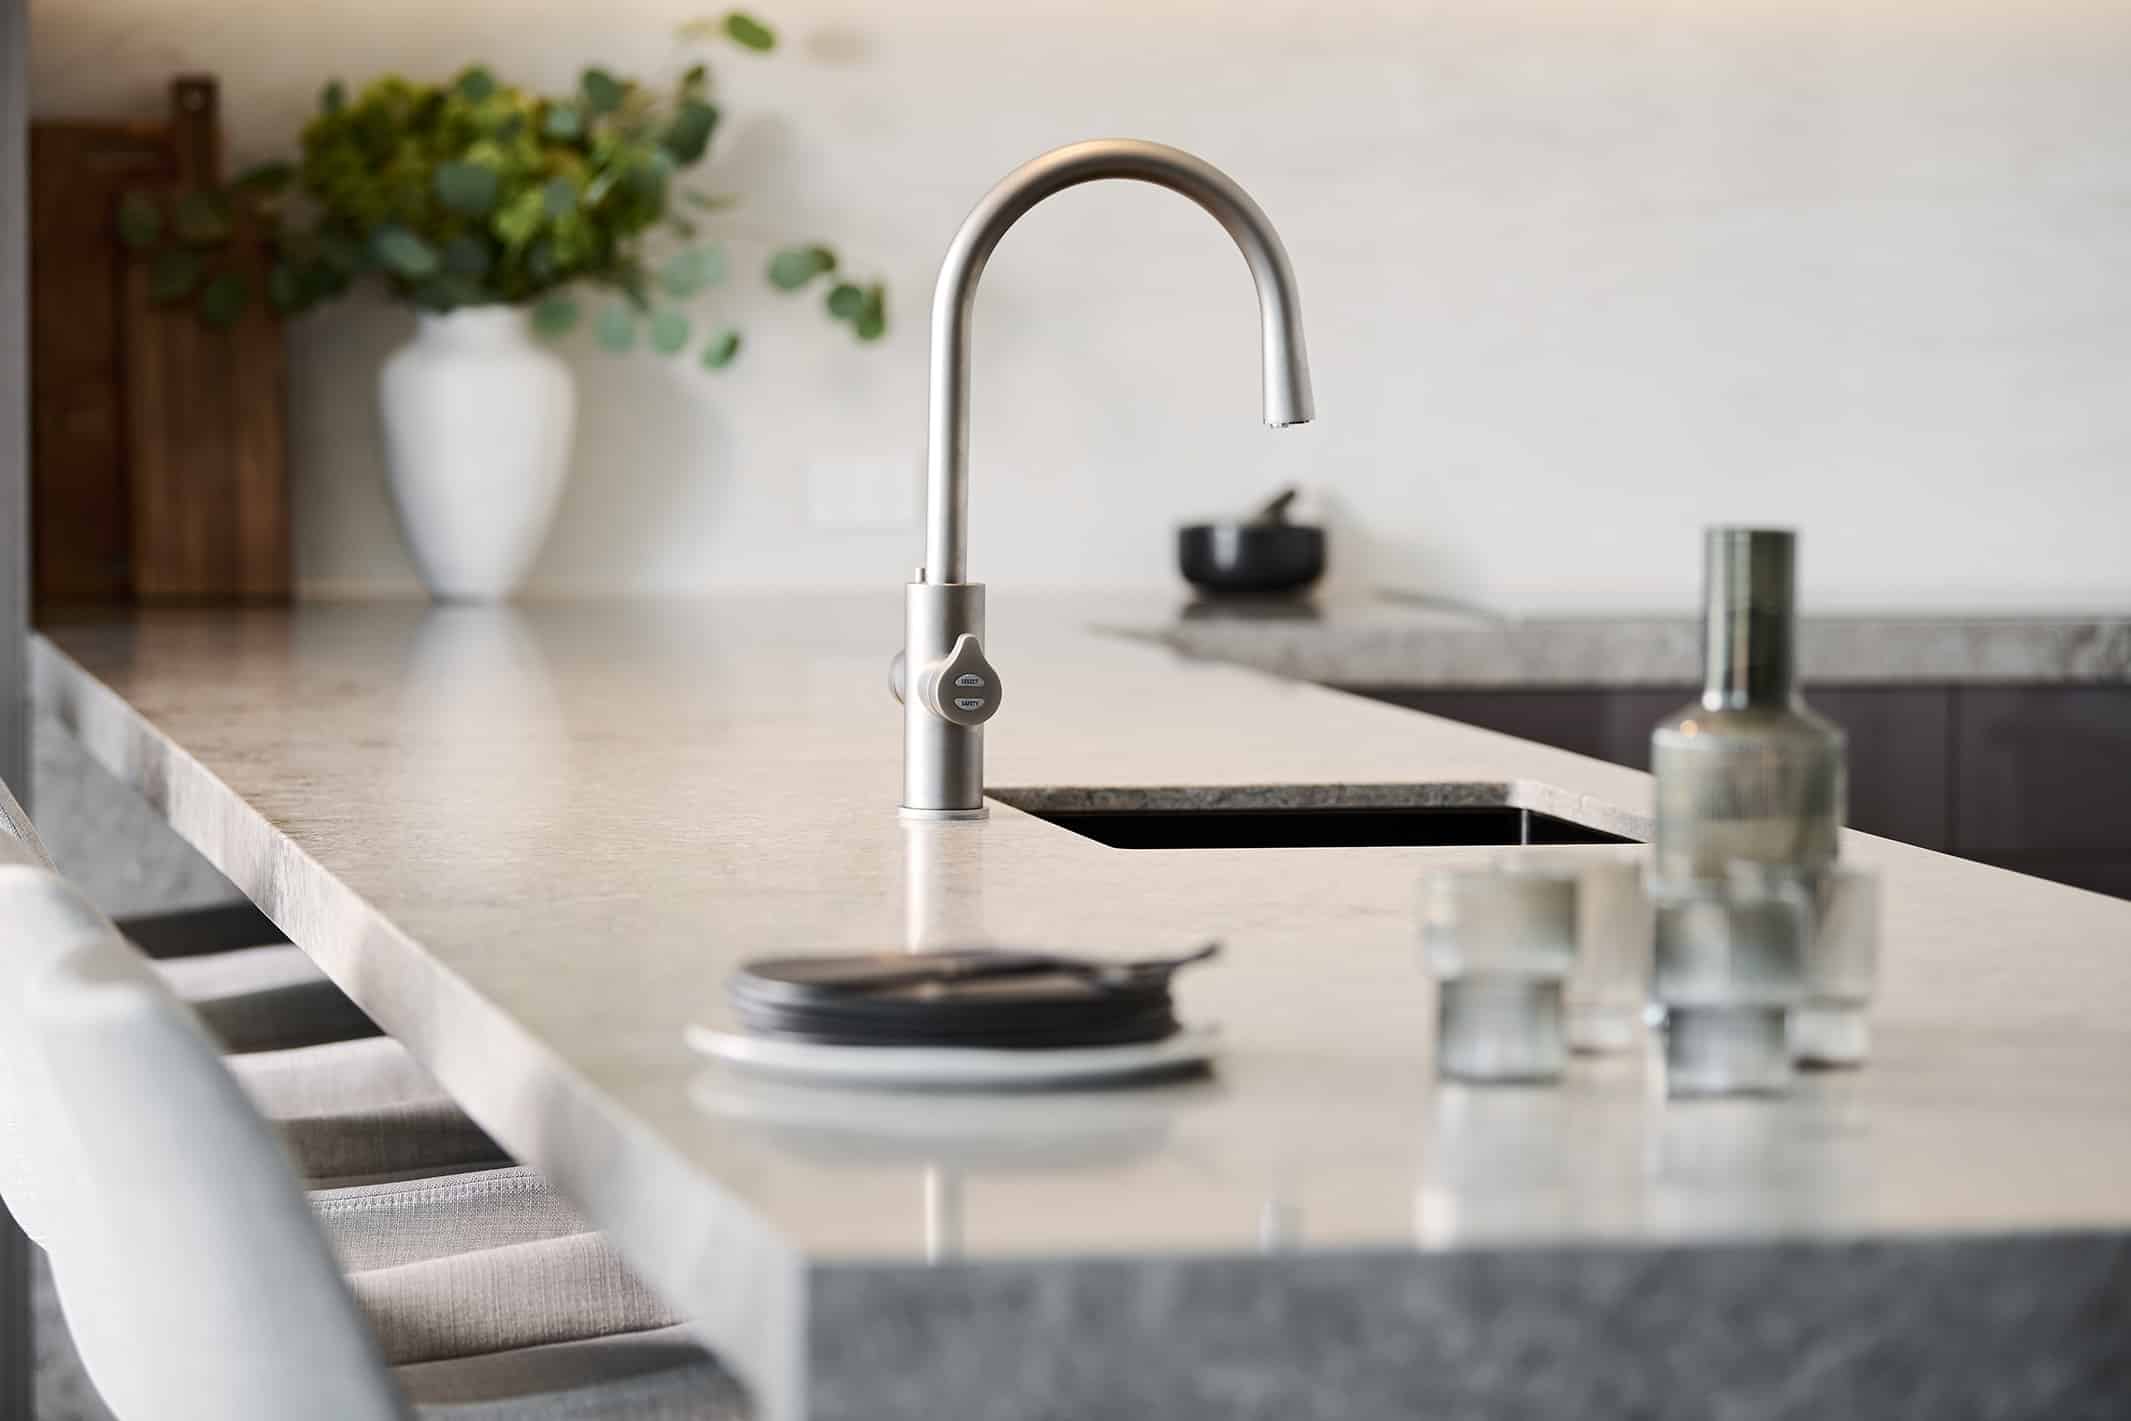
x,y
1160,825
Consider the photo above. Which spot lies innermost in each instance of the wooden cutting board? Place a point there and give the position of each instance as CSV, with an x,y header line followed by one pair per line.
x,y
81,540
188,501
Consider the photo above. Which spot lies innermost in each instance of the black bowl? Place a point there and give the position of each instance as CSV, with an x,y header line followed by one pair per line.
x,y
1250,559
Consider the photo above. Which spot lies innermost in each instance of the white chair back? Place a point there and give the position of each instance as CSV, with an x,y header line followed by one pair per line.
x,y
196,1282
33,929
16,825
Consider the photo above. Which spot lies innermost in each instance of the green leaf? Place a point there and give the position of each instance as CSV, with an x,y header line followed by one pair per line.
x,y
270,177
563,121
687,272
521,217
602,183
648,179
711,201
555,315
340,252
603,92
748,32
558,196
721,350
323,281
617,329
688,135
669,332
402,253
173,274
683,228
140,221
447,292
476,84
224,300
334,97
466,188
872,320
695,81
794,267
285,289
540,260
317,282
467,255
202,219
846,301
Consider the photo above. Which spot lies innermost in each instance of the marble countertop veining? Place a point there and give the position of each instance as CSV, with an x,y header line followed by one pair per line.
x,y
1386,641
533,842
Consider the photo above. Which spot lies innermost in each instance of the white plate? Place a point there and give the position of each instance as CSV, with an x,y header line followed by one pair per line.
x,y
953,1067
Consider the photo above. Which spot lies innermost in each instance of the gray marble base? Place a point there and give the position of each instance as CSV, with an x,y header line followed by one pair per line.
x,y
2005,1329
108,841
1387,644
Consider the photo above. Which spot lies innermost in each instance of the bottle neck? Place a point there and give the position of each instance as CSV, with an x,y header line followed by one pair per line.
x,y
1748,618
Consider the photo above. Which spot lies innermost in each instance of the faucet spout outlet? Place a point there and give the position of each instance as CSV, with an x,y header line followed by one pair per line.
x,y
948,687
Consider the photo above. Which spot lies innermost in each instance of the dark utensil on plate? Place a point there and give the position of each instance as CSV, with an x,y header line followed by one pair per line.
x,y
1261,556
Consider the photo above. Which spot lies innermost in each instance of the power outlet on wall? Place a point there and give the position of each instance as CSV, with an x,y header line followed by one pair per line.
x,y
863,491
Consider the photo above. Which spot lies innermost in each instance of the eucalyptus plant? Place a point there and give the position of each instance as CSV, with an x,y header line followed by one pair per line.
x,y
479,193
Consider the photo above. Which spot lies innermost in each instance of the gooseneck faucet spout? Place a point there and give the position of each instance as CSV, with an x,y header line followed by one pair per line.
x,y
948,687
1287,366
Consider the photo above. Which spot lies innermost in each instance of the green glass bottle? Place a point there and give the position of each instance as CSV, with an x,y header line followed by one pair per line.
x,y
1750,801
1747,774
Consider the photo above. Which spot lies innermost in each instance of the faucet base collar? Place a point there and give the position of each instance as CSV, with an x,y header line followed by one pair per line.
x,y
982,811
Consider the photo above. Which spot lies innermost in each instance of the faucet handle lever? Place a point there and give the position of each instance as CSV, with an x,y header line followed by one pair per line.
x,y
961,688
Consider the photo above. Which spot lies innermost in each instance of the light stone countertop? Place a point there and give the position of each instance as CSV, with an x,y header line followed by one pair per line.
x,y
533,842
1391,641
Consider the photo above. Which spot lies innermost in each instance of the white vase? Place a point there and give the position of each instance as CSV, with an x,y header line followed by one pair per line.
x,y
478,417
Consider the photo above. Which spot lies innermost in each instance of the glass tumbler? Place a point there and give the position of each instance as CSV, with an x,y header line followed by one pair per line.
x,y
1500,945
1830,1027
1730,966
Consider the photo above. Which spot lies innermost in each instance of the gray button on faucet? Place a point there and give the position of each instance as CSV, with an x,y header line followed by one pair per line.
x,y
963,667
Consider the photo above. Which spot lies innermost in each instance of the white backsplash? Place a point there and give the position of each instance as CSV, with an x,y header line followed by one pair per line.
x,y
1580,275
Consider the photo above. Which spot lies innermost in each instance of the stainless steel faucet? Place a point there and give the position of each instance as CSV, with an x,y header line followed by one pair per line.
x,y
947,685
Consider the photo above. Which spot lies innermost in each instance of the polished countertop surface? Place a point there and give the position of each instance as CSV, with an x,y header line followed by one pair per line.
x,y
1386,639
534,841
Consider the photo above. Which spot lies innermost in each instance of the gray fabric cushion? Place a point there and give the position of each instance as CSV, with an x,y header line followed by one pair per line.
x,y
520,1295
477,1263
351,1111
661,1375
211,975
392,1225
266,998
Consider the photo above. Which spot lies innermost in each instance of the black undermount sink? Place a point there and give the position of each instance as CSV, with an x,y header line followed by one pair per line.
x,y
1301,816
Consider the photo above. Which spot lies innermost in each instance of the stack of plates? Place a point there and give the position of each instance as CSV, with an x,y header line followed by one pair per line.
x,y
981,1017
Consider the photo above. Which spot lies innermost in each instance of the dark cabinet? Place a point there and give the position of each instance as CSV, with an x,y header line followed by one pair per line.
x,y
1900,738
2034,778
2043,781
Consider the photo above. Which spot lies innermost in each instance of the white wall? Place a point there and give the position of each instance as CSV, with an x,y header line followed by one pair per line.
x,y
1580,276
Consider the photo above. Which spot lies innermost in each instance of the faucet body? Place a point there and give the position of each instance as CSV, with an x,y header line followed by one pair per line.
x,y
948,687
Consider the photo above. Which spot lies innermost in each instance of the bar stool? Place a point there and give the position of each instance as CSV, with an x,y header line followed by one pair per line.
x,y
196,1275
352,1106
